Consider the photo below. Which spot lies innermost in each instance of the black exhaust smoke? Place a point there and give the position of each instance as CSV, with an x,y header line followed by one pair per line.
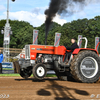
x,y
59,7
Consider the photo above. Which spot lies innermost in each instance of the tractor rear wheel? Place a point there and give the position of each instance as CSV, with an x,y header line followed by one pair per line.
x,y
85,67
39,71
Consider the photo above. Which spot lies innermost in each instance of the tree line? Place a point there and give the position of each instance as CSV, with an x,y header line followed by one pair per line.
x,y
23,32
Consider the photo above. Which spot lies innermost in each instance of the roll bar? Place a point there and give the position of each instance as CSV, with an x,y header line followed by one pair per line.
x,y
86,41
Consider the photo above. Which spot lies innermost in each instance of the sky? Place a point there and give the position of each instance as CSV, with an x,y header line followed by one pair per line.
x,y
32,11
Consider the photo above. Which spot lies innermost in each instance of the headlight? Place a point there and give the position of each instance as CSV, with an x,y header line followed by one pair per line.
x,y
32,61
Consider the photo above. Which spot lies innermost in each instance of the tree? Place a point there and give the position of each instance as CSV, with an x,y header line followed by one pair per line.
x,y
23,32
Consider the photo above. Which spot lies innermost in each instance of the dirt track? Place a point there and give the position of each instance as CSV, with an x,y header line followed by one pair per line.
x,y
49,89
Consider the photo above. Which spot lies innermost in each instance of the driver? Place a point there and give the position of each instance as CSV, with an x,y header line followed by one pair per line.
x,y
72,48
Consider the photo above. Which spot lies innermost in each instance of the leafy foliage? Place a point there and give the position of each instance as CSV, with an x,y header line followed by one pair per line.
x,y
23,32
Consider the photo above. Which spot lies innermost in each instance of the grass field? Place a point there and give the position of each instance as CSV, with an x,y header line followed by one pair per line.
x,y
7,69
17,75
10,75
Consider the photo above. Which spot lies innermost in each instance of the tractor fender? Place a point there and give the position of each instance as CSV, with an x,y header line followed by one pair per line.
x,y
76,51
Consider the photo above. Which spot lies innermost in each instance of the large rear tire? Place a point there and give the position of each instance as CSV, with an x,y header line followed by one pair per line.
x,y
85,67
39,71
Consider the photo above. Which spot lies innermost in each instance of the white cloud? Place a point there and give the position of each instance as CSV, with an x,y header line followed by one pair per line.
x,y
32,18
35,19
59,20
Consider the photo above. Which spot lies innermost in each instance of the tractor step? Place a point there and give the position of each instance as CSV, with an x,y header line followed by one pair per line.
x,y
64,65
62,69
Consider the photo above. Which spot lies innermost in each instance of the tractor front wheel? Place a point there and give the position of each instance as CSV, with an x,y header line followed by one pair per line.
x,y
25,73
39,71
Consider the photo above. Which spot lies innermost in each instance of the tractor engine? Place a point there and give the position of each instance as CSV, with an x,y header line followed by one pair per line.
x,y
44,58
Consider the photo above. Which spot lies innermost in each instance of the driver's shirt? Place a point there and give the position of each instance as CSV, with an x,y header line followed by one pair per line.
x,y
72,47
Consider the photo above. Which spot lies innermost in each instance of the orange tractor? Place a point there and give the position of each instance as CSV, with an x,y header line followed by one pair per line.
x,y
83,64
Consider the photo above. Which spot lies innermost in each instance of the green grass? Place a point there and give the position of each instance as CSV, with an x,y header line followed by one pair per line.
x,y
17,75
7,69
52,75
9,75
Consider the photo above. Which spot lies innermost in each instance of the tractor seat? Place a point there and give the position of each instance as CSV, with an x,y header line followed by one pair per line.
x,y
69,50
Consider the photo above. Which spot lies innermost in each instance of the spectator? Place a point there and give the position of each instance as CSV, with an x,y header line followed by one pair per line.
x,y
1,59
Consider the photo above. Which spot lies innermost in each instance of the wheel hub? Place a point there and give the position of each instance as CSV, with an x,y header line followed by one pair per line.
x,y
40,71
89,67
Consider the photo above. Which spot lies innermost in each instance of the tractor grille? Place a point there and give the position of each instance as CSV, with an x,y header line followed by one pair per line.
x,y
27,52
